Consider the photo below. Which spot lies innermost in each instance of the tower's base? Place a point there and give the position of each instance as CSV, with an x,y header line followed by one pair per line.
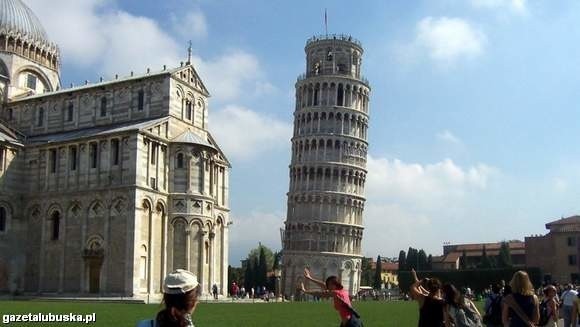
x,y
322,265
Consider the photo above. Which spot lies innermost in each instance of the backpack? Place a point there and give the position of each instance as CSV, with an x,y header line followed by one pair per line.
x,y
493,314
544,317
465,317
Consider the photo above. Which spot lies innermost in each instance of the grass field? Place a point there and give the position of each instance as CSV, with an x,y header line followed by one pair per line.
x,y
224,314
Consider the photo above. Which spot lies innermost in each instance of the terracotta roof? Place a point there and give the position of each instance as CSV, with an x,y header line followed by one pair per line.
x,y
389,266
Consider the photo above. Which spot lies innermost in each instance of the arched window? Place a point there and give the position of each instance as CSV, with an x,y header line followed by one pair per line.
x,y
9,114
55,232
103,106
179,161
188,109
115,151
40,118
339,96
140,100
3,219
70,112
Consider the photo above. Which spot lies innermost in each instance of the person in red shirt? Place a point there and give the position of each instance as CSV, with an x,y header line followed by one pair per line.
x,y
341,300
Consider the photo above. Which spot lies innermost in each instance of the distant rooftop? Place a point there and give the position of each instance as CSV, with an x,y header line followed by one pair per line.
x,y
565,221
340,37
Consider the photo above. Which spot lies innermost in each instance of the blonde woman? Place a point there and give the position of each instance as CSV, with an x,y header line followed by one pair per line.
x,y
521,308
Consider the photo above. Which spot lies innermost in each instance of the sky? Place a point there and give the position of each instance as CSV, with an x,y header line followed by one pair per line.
x,y
474,109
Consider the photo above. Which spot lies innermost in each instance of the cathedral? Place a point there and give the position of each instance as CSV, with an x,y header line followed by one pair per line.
x,y
107,186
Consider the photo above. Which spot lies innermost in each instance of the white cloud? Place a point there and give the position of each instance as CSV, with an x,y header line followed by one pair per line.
x,y
191,25
233,74
449,39
126,50
516,6
245,134
409,199
256,226
560,185
75,26
447,136
444,179
92,33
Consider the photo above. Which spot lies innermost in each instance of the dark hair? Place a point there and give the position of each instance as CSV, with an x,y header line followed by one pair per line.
x,y
495,288
451,295
175,304
334,281
432,285
507,290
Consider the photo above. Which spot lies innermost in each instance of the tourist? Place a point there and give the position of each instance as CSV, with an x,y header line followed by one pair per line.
x,y
459,309
492,317
575,313
180,292
568,298
549,307
214,290
333,288
521,308
427,292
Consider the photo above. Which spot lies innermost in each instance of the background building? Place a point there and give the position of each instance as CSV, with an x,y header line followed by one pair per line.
x,y
469,256
324,226
106,187
557,252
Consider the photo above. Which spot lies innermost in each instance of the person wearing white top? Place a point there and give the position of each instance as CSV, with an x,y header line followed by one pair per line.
x,y
568,298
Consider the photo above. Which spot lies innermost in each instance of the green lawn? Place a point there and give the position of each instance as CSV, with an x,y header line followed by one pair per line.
x,y
226,314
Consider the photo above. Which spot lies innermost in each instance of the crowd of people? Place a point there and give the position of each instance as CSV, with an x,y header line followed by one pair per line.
x,y
440,305
261,292
516,304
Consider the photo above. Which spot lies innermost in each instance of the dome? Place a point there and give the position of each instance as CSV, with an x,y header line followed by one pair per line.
x,y
17,19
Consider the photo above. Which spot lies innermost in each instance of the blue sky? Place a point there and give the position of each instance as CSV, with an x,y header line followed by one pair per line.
x,y
474,105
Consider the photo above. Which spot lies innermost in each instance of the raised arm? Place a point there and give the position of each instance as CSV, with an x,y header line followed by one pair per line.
x,y
323,293
308,276
416,290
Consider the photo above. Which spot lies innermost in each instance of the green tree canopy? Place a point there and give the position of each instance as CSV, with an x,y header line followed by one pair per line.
x,y
378,270
505,258
402,260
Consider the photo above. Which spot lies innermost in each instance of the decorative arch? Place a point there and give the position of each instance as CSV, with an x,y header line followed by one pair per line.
x,y
96,209
40,74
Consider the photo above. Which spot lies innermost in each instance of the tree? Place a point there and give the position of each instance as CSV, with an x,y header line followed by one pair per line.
x,y
256,273
235,274
255,253
262,273
485,261
248,267
255,266
366,278
421,260
378,270
402,261
430,262
412,259
505,258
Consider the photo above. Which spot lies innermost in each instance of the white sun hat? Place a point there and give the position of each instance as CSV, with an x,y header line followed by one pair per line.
x,y
179,282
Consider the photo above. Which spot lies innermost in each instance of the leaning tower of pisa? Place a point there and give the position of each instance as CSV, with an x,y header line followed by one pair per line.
x,y
324,224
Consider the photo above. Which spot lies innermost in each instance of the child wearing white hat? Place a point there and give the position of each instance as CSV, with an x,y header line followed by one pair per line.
x,y
180,292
